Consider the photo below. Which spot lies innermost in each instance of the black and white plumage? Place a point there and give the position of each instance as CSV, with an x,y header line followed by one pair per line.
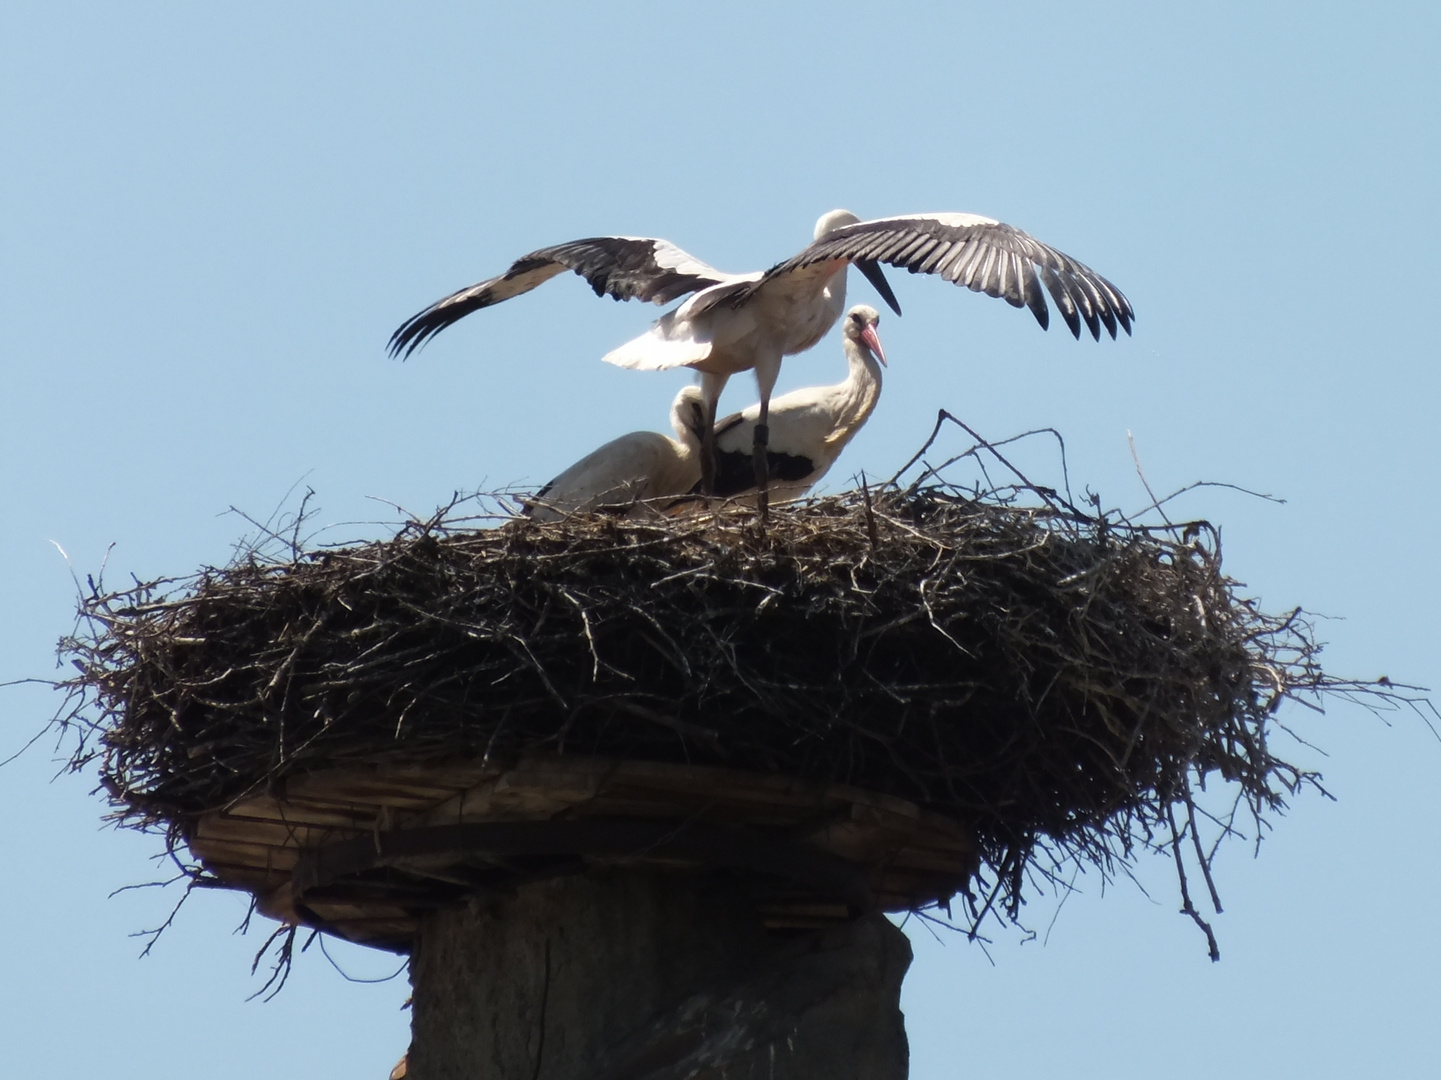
x,y
621,267
627,473
810,426
985,256
741,322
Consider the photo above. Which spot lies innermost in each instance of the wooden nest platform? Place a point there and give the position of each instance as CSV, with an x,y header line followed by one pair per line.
x,y
854,709
364,853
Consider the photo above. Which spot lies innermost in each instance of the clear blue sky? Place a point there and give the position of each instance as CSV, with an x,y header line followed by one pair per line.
x,y
214,215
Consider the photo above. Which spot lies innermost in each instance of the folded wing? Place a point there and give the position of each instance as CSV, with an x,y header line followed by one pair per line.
x,y
617,477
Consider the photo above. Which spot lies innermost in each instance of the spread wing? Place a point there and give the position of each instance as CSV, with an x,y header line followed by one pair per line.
x,y
984,255
622,267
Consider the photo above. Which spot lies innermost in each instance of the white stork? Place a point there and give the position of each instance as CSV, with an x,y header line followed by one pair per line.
x,y
740,322
809,427
626,472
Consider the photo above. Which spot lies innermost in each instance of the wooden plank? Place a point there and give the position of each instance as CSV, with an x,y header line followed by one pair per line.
x,y
276,902
301,811
919,888
918,860
805,909
247,830
235,853
455,776
505,799
858,843
741,805
249,878
392,936
914,855
398,787
343,911
786,922
375,794
751,786
934,826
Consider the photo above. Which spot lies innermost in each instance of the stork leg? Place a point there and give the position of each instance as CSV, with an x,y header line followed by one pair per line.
x,y
710,388
767,370
708,455
761,460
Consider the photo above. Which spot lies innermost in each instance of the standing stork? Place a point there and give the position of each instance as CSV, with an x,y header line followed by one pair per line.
x,y
810,426
626,472
743,322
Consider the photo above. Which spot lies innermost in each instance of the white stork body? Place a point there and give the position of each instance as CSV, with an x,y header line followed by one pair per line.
x,y
747,323
742,322
809,427
625,473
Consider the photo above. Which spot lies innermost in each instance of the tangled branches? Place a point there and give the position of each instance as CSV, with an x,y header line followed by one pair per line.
x,y
1063,681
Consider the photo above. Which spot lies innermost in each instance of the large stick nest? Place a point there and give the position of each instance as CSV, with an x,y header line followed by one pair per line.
x,y
1063,681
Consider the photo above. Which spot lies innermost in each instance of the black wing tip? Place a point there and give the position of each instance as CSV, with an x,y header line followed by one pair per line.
x,y
1125,314
415,333
1115,317
1109,317
396,348
412,334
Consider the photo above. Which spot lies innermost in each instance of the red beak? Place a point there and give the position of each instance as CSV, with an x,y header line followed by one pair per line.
x,y
873,342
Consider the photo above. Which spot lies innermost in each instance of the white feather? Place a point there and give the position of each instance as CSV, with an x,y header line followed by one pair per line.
x,y
625,472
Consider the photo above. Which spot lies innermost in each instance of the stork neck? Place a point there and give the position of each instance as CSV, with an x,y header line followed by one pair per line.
x,y
835,292
862,388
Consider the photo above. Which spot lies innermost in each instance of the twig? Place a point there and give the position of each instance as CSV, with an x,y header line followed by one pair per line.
x,y
1136,458
1188,908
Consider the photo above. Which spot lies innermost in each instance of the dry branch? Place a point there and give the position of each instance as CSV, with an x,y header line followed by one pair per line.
x,y
1060,680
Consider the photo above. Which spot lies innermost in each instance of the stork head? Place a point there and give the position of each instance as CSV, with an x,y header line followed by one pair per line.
x,y
836,219
688,415
840,219
860,327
